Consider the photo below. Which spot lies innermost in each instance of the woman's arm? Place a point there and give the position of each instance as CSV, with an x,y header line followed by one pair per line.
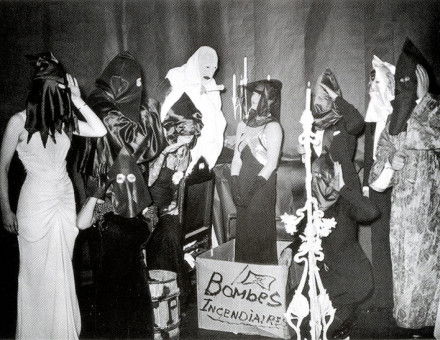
x,y
274,137
85,217
93,126
236,160
10,140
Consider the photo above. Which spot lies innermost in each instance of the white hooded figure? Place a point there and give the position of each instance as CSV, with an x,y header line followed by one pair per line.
x,y
381,95
195,78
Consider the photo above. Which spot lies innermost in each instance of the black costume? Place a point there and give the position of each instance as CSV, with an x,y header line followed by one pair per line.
x,y
345,270
254,196
134,137
380,231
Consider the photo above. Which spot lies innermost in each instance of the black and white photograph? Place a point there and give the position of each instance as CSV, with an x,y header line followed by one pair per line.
x,y
219,169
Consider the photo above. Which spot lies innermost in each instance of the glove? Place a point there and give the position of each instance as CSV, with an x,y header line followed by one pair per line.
x,y
235,190
258,183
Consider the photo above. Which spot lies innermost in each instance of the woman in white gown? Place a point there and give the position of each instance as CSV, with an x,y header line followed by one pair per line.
x,y
46,219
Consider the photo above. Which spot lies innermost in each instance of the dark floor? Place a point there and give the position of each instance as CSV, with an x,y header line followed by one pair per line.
x,y
373,324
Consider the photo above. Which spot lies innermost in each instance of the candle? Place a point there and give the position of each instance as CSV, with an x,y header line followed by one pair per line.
x,y
308,96
234,95
245,78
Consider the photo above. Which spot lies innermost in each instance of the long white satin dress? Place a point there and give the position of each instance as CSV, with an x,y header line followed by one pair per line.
x,y
47,302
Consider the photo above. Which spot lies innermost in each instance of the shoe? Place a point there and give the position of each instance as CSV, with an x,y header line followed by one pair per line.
x,y
344,330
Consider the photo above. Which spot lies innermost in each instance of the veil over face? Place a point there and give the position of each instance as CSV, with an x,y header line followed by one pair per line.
x,y
269,103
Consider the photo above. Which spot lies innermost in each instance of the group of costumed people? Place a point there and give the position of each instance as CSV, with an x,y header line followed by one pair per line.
x,y
139,150
399,199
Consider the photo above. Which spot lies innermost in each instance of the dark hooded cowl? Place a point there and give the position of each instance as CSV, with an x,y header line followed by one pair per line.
x,y
406,86
48,107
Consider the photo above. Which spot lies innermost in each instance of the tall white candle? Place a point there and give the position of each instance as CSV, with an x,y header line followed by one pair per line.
x,y
234,87
245,78
234,95
308,96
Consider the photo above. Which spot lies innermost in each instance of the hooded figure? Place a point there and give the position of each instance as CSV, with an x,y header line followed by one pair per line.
x,y
324,108
133,127
406,85
382,87
269,105
130,192
407,157
196,80
49,107
345,270
134,138
378,111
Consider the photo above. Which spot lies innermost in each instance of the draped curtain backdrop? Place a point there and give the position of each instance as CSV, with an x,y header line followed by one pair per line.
x,y
290,40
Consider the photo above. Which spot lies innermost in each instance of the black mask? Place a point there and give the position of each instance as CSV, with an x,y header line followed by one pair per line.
x,y
406,86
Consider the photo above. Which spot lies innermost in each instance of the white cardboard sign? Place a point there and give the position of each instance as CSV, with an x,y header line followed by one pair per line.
x,y
239,297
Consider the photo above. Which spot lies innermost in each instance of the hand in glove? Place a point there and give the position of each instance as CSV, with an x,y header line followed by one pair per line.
x,y
103,185
235,191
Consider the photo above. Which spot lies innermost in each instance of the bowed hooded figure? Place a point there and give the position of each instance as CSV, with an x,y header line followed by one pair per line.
x,y
378,111
345,270
195,80
407,160
46,220
253,171
134,138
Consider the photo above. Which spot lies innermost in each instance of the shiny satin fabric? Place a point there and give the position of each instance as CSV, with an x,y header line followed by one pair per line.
x,y
49,108
406,85
122,81
138,129
323,176
183,119
130,193
324,110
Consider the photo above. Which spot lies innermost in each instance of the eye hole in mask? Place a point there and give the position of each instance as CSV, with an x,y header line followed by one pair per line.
x,y
131,178
120,178
405,79
372,75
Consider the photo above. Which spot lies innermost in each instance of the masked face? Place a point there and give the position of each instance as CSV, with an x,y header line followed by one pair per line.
x,y
130,192
381,91
207,64
255,99
406,86
323,108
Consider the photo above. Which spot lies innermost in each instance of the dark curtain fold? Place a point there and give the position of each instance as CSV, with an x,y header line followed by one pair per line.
x,y
290,40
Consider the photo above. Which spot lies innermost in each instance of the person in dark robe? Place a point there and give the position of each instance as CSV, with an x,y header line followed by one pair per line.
x,y
345,271
134,138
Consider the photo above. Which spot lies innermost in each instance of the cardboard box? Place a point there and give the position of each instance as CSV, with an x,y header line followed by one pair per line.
x,y
241,298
